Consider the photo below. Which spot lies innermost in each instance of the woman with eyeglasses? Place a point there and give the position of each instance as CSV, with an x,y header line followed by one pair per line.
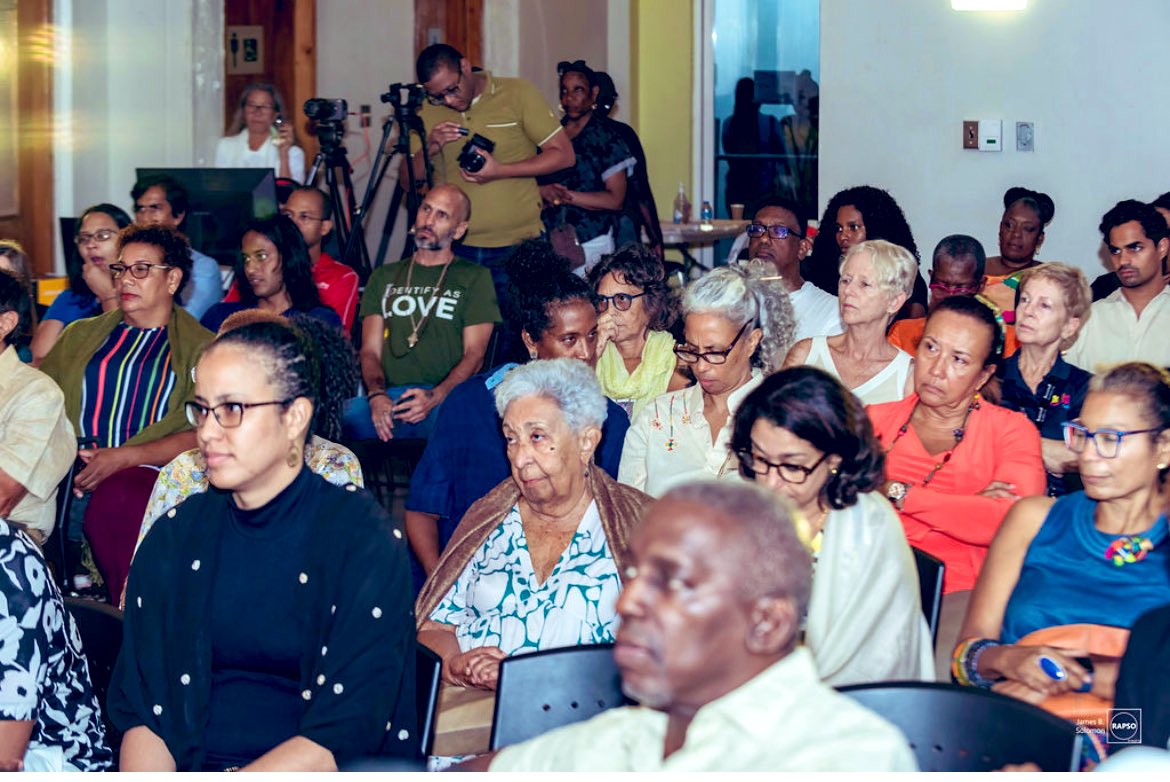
x,y
876,279
273,273
588,197
268,622
125,375
1054,303
955,463
635,348
737,325
261,136
855,215
91,291
1097,557
806,437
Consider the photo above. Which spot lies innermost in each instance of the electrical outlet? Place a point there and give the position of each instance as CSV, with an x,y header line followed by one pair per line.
x,y
1025,137
970,134
365,115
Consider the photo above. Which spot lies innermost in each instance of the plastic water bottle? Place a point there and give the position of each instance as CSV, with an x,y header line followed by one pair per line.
x,y
707,213
682,206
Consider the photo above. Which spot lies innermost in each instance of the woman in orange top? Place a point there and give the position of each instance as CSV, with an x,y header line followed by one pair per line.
x,y
955,463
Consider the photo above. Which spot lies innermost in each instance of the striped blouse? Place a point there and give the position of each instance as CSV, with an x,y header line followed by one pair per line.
x,y
128,384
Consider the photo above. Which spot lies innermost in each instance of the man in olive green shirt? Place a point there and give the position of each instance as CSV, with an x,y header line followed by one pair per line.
x,y
505,200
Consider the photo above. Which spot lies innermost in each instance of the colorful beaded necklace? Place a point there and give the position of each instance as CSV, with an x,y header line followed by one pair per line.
x,y
958,434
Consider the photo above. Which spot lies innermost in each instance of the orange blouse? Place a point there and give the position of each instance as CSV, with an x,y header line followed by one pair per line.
x,y
948,518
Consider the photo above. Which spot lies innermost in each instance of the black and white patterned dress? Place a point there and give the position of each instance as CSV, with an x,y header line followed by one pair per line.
x,y
45,677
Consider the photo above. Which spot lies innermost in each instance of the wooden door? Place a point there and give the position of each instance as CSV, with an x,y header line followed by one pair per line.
x,y
455,22
288,57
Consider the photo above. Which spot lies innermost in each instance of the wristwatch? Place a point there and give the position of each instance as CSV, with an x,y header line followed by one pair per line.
x,y
897,492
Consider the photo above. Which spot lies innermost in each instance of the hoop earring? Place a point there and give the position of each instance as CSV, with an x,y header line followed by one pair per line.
x,y
294,456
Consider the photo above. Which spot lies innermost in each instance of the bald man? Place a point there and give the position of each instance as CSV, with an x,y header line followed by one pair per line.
x,y
426,322
710,619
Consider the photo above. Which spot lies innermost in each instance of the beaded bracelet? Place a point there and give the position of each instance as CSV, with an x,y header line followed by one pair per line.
x,y
965,663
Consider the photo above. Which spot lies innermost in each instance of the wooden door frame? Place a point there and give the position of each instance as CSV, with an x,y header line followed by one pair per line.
x,y
34,102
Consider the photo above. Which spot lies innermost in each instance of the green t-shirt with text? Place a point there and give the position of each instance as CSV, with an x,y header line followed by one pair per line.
x,y
467,298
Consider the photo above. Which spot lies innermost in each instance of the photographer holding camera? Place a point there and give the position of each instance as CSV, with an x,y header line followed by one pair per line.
x,y
260,136
471,107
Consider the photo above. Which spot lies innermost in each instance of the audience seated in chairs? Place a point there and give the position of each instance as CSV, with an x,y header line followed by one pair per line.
x,y
1053,305
426,324
466,456
1096,557
37,445
635,347
49,716
708,645
187,473
804,436
126,375
876,279
538,562
273,273
91,290
738,327
268,622
955,463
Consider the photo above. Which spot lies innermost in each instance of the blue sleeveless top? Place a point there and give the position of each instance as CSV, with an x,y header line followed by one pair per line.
x,y
1066,579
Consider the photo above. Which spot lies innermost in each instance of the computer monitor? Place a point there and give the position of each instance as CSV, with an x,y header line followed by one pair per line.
x,y
222,202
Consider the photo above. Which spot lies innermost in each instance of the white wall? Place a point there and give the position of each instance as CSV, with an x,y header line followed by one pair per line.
x,y
900,76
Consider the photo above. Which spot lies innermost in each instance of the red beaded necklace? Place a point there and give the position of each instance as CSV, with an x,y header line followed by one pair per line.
x,y
958,433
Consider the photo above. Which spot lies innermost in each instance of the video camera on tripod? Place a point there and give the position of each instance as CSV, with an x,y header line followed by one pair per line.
x,y
406,99
329,114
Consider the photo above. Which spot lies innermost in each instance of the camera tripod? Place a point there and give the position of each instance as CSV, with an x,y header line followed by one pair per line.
x,y
407,121
332,160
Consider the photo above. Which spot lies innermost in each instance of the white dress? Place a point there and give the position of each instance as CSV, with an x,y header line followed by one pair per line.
x,y
888,385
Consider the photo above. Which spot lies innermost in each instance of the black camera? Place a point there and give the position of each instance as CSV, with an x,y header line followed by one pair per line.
x,y
469,159
405,98
326,110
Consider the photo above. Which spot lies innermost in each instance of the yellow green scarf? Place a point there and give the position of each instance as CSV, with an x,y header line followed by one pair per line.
x,y
649,380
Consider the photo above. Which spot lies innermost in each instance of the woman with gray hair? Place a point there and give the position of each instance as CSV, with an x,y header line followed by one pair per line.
x,y
877,278
737,326
538,562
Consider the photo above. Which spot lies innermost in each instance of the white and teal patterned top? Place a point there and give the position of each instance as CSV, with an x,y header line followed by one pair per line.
x,y
497,602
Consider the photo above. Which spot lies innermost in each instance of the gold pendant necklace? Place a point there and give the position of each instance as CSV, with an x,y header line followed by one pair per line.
x,y
417,327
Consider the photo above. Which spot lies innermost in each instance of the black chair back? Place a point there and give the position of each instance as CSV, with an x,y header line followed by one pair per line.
x,y
428,668
56,546
100,628
930,587
544,690
953,728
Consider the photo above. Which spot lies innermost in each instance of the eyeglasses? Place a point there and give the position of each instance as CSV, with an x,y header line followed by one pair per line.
x,y
258,257
103,235
621,301
259,106
139,271
711,356
441,98
759,467
228,414
300,217
756,230
1107,441
953,290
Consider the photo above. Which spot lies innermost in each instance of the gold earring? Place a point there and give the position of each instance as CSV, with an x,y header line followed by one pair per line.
x,y
294,456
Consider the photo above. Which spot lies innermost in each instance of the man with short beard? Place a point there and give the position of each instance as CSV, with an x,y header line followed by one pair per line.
x,y
426,323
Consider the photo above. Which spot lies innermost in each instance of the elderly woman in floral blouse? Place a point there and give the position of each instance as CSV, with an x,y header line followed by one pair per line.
x,y
547,547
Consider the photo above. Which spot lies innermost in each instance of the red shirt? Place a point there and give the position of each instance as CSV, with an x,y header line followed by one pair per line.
x,y
337,285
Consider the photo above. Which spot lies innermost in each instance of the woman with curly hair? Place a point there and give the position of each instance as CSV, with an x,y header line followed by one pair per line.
x,y
876,279
737,326
856,215
635,349
804,436
273,273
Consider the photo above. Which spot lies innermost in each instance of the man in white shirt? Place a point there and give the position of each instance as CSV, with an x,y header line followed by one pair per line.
x,y
777,235
1132,323
710,617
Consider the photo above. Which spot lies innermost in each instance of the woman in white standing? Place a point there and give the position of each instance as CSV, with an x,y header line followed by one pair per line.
x,y
261,136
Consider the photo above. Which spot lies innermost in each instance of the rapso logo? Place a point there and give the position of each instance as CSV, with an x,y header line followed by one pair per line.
x,y
1125,726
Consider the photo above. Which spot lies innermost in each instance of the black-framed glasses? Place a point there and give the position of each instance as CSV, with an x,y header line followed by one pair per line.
x,y
441,98
711,356
756,230
758,466
621,301
1106,441
103,235
139,271
300,217
228,414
